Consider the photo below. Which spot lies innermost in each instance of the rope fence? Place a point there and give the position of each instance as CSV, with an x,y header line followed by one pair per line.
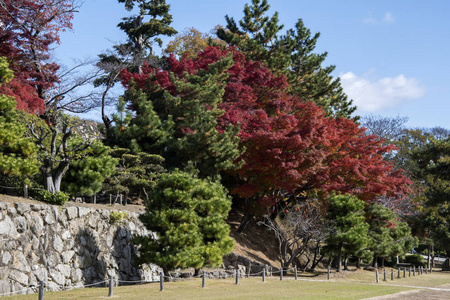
x,y
412,271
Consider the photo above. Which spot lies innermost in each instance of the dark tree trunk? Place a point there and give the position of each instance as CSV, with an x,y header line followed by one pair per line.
x,y
339,258
375,261
358,263
244,222
196,272
346,263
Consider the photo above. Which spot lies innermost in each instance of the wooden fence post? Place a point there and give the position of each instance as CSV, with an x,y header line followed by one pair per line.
x,y
384,275
398,271
203,279
376,276
237,276
41,290
25,191
264,275
111,283
328,273
161,281
295,267
281,273
392,274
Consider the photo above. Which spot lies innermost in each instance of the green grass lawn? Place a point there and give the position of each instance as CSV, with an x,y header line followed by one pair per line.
x,y
355,285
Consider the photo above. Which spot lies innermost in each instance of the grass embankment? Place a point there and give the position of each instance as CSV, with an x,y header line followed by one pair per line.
x,y
355,285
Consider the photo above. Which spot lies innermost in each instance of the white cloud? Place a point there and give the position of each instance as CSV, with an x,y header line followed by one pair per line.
x,y
371,96
387,19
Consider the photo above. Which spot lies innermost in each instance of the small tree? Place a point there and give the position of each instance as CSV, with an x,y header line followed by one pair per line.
x,y
347,213
299,230
187,215
86,175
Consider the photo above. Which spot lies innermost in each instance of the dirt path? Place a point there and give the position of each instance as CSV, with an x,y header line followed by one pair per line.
x,y
441,292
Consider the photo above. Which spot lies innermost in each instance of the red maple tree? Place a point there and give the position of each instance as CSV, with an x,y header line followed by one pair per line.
x,y
292,147
27,31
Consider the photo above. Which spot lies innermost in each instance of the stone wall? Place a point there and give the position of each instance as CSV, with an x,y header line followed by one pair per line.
x,y
65,247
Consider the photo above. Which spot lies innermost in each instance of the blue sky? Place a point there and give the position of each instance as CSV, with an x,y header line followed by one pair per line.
x,y
392,56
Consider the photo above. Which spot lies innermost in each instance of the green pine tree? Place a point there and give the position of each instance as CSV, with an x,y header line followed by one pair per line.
x,y
350,237
182,128
85,176
17,152
187,215
257,36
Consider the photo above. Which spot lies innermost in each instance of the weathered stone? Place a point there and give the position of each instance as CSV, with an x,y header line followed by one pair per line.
x,y
100,268
7,227
35,243
20,224
37,224
49,219
64,270
58,244
20,262
10,209
6,258
22,208
66,235
57,277
37,207
41,274
76,275
82,211
67,256
18,276
72,212
53,258
32,280
83,261
52,286
131,226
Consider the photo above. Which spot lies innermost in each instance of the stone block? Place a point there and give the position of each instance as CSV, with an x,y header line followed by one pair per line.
x,y
58,244
66,256
72,212
22,208
64,270
20,262
19,277
7,227
82,211
76,275
57,277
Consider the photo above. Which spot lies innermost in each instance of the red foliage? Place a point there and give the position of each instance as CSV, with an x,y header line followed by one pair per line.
x,y
27,30
291,146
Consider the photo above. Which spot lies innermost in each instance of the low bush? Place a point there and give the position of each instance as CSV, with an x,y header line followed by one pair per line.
x,y
117,217
58,198
415,259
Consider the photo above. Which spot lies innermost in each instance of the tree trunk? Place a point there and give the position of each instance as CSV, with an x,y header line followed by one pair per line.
x,y
339,258
196,272
346,263
375,261
358,263
382,262
244,222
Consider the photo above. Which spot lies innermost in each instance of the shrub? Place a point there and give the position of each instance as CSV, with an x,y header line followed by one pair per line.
x,y
117,217
415,259
58,198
